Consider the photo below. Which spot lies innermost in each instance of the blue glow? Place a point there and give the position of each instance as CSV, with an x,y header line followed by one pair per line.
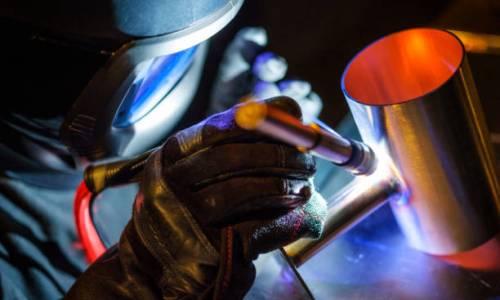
x,y
154,79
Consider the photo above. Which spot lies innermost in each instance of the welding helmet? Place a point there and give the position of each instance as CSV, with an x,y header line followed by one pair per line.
x,y
151,52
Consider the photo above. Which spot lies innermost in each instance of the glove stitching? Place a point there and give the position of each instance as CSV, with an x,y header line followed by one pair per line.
x,y
185,212
168,262
298,224
161,250
282,161
282,156
228,258
165,259
195,227
261,172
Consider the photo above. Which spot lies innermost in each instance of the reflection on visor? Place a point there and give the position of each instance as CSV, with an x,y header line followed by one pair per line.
x,y
154,79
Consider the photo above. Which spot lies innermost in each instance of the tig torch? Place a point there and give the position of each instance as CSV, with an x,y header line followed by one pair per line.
x,y
267,119
354,156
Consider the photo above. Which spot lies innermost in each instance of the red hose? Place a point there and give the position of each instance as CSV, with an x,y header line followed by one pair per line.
x,y
92,243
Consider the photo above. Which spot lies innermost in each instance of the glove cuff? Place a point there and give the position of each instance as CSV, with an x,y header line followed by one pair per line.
x,y
236,274
164,226
190,265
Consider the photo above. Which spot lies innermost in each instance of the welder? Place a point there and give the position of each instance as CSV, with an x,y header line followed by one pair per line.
x,y
89,81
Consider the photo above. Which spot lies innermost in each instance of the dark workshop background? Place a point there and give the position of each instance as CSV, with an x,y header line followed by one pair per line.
x,y
318,38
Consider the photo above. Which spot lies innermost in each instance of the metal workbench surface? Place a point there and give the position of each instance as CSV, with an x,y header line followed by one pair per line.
x,y
373,261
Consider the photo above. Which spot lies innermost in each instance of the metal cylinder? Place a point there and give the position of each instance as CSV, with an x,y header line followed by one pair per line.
x,y
412,96
347,208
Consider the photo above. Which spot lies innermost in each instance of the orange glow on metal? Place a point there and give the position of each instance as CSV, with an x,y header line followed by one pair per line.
x,y
484,258
403,66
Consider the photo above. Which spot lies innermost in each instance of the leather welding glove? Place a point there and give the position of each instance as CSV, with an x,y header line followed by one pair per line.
x,y
211,200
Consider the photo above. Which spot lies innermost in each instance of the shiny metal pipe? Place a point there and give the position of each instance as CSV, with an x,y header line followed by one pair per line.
x,y
324,142
348,207
476,42
412,96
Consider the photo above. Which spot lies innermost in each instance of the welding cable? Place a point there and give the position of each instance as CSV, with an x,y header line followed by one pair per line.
x,y
318,139
91,242
96,179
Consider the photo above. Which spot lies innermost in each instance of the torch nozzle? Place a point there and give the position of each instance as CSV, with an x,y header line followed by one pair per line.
x,y
269,120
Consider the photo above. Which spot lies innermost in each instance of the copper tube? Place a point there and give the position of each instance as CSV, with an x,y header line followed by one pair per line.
x,y
412,96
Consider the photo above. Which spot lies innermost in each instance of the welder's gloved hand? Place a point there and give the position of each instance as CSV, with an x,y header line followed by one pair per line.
x,y
211,200
248,70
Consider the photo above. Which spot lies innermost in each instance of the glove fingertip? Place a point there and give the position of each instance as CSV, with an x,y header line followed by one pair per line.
x,y
316,211
268,66
258,35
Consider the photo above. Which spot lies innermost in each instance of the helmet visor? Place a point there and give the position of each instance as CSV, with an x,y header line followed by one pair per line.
x,y
154,79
